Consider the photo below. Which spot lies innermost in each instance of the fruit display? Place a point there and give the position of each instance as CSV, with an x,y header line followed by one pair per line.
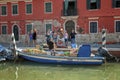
x,y
34,50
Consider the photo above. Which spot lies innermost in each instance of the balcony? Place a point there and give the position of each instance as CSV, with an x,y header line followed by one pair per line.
x,y
69,12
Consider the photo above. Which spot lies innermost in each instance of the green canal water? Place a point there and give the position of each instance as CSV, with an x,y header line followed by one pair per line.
x,y
25,70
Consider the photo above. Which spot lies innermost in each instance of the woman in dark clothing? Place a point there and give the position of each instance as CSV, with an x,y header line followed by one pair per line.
x,y
51,46
72,36
34,36
48,37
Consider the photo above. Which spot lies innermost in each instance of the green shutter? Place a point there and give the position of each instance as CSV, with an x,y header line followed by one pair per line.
x,y
48,7
4,28
29,28
113,3
88,4
98,4
15,8
117,26
48,26
29,8
3,10
93,27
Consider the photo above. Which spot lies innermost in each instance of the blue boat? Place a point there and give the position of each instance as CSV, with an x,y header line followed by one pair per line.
x,y
83,57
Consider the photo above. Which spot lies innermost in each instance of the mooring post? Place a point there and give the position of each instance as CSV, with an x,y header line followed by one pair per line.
x,y
103,37
14,45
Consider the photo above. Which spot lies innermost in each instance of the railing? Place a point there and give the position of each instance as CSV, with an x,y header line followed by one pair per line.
x,y
69,12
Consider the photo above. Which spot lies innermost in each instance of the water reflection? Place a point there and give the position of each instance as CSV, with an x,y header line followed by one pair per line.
x,y
16,73
26,70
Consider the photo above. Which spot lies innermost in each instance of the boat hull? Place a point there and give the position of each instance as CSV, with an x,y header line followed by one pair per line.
x,y
62,59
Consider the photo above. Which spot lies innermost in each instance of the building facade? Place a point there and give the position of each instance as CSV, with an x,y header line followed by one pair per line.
x,y
87,17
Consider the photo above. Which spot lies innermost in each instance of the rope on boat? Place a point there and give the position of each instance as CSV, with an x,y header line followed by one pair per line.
x,y
103,37
14,45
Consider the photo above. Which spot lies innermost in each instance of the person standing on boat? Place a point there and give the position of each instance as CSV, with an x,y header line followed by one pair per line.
x,y
30,37
60,40
34,36
48,37
55,37
51,46
66,38
27,39
72,36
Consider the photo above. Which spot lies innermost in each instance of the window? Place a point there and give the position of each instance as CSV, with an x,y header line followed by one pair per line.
x,y
28,28
48,7
28,8
48,27
3,10
93,27
116,3
117,26
93,4
4,29
14,9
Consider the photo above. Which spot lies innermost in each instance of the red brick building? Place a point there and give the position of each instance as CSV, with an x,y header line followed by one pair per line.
x,y
87,16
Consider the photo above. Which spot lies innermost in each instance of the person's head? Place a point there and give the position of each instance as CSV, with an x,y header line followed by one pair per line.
x,y
73,30
34,30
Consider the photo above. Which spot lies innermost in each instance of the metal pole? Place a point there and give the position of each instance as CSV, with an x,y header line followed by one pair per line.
x,y
103,37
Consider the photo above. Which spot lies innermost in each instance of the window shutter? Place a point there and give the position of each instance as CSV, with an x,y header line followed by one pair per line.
x,y
91,27
29,8
29,28
75,4
113,3
3,10
63,12
48,7
15,7
4,29
48,27
117,26
98,4
88,4
95,27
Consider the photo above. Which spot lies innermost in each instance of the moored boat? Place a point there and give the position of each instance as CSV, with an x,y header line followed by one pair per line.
x,y
83,57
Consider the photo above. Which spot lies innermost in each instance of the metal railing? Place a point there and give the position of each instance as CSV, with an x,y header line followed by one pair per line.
x,y
69,12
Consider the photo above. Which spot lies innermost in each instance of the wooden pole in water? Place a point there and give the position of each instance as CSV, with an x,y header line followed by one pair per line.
x,y
14,45
103,37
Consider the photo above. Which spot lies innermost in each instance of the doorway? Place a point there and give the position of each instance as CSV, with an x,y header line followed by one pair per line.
x,y
16,32
69,26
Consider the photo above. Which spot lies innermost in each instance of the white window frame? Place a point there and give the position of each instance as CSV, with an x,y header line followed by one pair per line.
x,y
26,27
48,23
17,9
89,27
45,7
115,26
6,28
26,8
1,10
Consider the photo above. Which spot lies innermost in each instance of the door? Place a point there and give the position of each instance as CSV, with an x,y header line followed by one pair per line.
x,y
69,26
16,32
